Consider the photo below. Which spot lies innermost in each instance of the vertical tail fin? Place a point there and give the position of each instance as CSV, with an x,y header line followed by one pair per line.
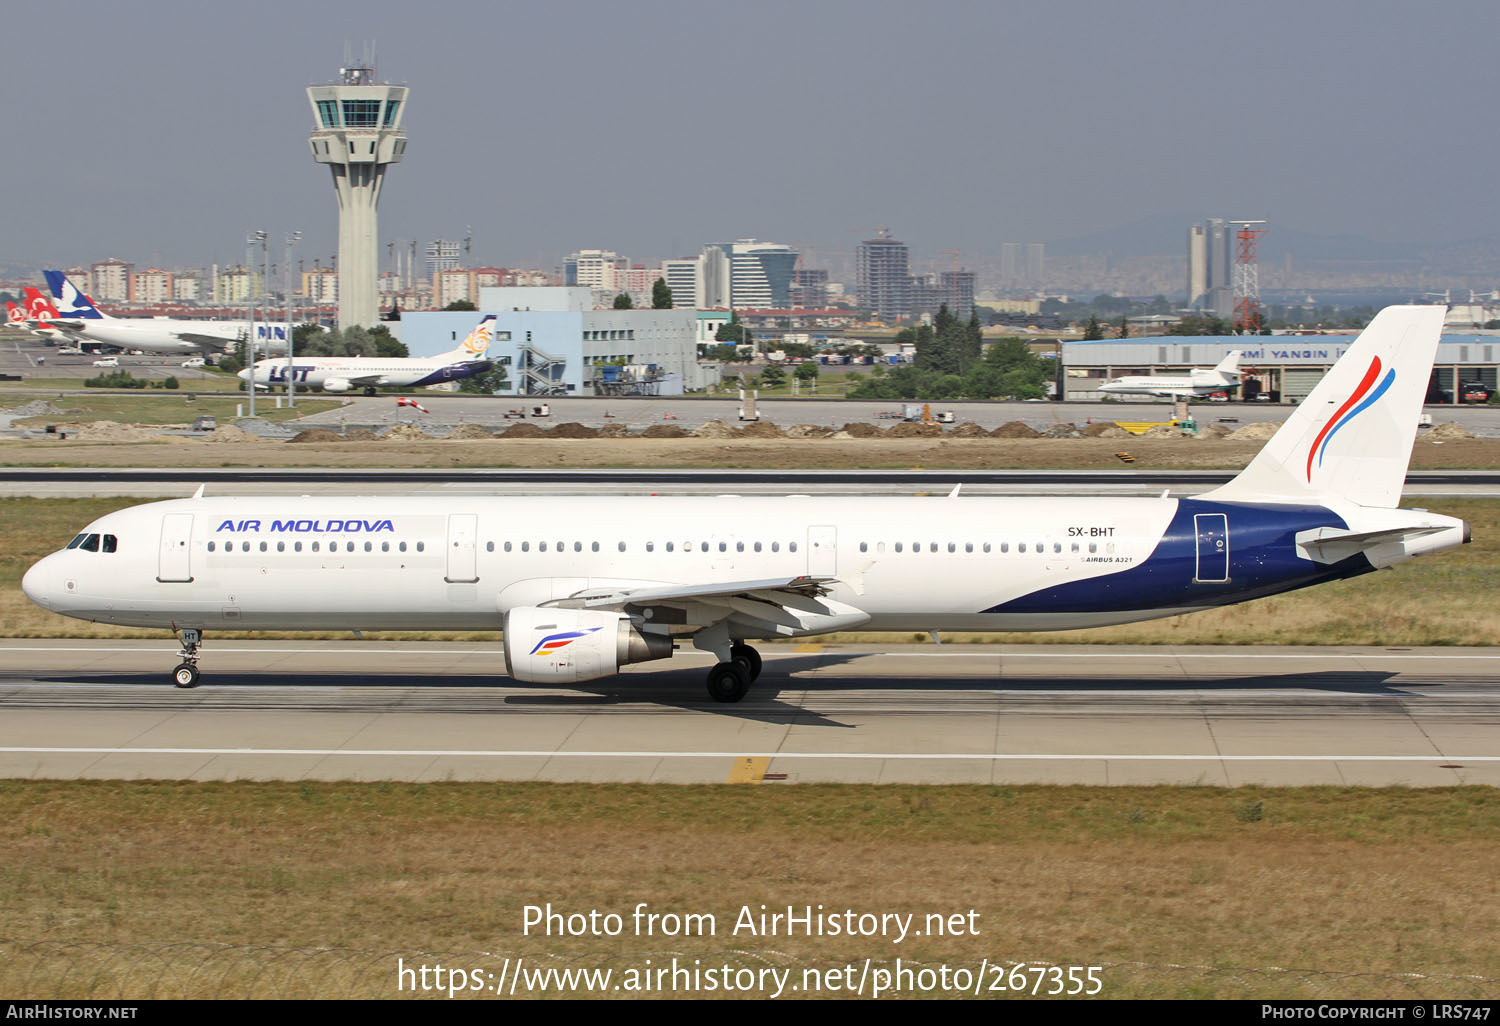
x,y
38,306
69,301
477,343
1352,438
1229,367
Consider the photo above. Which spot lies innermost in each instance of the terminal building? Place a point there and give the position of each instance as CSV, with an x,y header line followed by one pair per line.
x,y
1283,367
551,342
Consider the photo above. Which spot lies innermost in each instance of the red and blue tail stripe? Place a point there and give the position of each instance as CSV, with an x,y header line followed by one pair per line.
x,y
1351,408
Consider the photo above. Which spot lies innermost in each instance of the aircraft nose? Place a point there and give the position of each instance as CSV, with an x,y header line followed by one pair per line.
x,y
34,585
244,375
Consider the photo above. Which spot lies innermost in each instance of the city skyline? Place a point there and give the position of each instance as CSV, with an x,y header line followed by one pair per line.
x,y
976,138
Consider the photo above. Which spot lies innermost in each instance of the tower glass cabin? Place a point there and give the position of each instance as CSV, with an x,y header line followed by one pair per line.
x,y
358,135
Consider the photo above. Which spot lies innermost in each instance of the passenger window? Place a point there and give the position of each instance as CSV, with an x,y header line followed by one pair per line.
x,y
210,544
370,546
776,546
489,546
968,546
986,546
244,546
864,547
1021,547
90,543
1075,546
1057,546
348,546
593,546
791,547
264,546
525,546
109,543
315,546
723,547
880,546
651,546
669,547
757,546
507,546
541,546
296,546
898,546
620,546
703,546
561,546
578,546
932,547
739,546
281,546
1093,546
421,546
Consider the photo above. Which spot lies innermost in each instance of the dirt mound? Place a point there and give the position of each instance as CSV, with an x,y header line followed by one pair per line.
x,y
230,434
521,430
406,433
615,431
664,431
714,429
969,429
762,429
317,435
1014,429
1062,431
914,431
1443,432
1257,432
862,431
1163,431
463,431
809,431
359,435
106,431
35,408
1106,431
1098,427
573,430
1214,431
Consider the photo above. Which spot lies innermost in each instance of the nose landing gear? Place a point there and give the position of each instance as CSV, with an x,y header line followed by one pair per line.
x,y
186,673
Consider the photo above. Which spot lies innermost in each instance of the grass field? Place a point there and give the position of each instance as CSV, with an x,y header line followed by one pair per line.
x,y
168,408
1445,599
155,889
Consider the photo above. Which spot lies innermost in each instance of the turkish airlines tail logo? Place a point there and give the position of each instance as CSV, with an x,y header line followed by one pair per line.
x,y
479,339
14,313
39,307
1358,402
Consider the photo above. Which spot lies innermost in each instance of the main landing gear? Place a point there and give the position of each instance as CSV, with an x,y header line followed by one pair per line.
x,y
728,682
186,673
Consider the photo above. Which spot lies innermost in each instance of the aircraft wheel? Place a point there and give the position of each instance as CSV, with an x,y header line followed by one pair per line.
x,y
750,657
728,682
185,676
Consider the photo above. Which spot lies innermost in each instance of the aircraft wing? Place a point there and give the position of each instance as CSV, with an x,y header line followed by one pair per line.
x,y
779,606
198,339
364,380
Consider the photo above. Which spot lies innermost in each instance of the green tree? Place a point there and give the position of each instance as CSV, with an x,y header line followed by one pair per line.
x,y
460,304
772,376
661,296
1092,331
1124,327
807,371
387,345
624,302
733,332
491,381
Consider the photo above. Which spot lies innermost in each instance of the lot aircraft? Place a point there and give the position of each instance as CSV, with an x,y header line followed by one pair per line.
x,y
346,373
585,585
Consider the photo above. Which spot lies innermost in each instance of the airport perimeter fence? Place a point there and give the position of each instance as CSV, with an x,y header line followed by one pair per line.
x,y
55,970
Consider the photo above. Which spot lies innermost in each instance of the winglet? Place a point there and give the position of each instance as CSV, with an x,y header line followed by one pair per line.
x,y
199,493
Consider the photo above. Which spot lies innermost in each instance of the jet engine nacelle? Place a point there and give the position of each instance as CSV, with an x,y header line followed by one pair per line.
x,y
336,385
545,645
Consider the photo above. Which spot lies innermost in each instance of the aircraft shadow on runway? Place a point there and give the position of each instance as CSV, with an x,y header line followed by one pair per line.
x,y
682,688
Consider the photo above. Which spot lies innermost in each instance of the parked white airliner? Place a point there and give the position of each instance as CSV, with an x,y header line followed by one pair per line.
x,y
585,585
343,373
1222,378
79,317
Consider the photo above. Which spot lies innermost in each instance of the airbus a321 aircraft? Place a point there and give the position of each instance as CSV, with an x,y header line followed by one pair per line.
x,y
344,373
585,585
1222,378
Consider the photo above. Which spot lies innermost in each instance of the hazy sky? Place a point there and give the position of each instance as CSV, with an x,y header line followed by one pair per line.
x,y
161,130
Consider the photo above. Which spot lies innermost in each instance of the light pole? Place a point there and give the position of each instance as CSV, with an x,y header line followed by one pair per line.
x,y
292,238
251,238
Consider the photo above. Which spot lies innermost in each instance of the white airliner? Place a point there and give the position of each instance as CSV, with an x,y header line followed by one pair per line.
x,y
1195,382
345,373
585,585
79,317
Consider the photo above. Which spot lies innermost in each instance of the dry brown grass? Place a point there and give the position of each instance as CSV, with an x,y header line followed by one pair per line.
x,y
1330,880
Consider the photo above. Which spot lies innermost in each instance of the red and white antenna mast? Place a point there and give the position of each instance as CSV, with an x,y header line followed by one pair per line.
x,y
1247,315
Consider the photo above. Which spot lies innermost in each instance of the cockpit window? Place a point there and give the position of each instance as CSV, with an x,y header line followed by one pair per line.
x,y
77,541
109,543
90,543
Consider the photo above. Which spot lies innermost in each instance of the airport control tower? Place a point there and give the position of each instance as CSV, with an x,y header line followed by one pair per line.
x,y
358,135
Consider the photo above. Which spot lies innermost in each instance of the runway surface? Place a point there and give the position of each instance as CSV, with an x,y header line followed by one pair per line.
x,y
354,710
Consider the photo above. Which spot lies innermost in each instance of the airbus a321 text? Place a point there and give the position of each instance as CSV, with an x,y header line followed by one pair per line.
x,y
582,586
